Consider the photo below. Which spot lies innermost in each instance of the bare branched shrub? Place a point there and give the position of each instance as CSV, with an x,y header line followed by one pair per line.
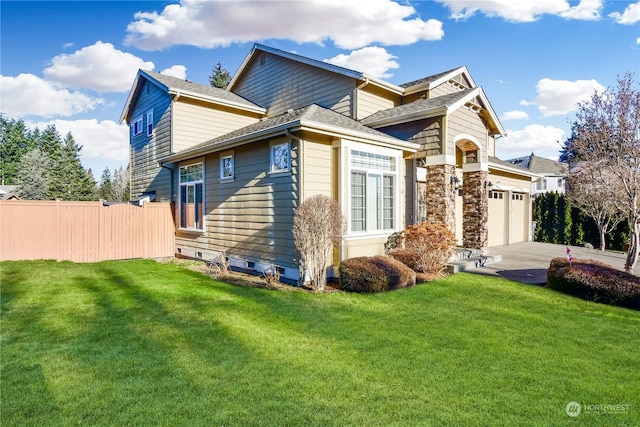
x,y
271,277
318,225
427,247
219,266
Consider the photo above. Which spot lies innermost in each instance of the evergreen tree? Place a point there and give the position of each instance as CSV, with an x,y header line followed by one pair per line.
x,y
15,141
32,176
220,77
104,189
50,142
68,179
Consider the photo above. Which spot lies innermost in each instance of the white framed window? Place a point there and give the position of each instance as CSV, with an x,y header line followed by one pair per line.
x,y
192,196
560,183
374,190
136,126
150,123
541,185
281,157
227,166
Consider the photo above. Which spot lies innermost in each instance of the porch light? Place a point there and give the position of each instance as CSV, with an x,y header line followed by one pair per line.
x,y
454,180
488,184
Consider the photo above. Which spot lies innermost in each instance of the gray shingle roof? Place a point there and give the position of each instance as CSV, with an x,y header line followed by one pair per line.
x,y
208,91
541,165
312,114
421,105
427,79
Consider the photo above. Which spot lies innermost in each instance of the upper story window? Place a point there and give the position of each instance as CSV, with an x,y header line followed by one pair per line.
x,y
192,196
560,183
150,123
541,185
136,126
373,191
281,157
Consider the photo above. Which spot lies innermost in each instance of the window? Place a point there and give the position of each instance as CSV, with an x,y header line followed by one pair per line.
x,y
541,185
137,126
373,191
150,123
517,196
560,182
192,196
226,167
496,195
281,157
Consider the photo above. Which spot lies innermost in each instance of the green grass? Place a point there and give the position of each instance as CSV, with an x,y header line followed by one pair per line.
x,y
143,343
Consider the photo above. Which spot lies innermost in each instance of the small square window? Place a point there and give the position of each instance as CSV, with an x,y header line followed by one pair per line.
x,y
281,157
150,123
136,126
226,167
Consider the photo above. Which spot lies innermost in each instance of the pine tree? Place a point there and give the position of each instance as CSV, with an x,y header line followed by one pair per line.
x,y
68,179
220,77
33,175
50,142
15,141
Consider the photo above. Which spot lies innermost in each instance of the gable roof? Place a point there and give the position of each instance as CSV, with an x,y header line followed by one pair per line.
x,y
186,88
357,75
428,83
541,165
431,107
313,118
504,166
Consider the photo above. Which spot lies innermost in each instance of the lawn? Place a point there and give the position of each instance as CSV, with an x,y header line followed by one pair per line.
x,y
144,343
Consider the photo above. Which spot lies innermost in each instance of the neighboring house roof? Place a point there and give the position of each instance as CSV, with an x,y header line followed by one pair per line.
x,y
504,166
428,83
8,192
257,48
180,87
431,107
541,165
314,118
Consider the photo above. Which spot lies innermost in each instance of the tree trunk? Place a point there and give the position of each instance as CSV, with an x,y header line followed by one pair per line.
x,y
603,234
632,253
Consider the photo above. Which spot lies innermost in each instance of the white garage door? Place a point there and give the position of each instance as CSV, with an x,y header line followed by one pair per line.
x,y
498,220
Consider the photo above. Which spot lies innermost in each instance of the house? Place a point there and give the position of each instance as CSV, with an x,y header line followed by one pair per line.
x,y
552,173
237,162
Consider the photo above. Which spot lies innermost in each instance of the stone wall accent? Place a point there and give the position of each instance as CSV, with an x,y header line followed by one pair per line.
x,y
440,196
475,226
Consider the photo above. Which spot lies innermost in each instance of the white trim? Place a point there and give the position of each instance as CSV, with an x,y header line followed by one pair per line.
x,y
440,159
272,166
135,130
467,137
150,114
202,181
475,167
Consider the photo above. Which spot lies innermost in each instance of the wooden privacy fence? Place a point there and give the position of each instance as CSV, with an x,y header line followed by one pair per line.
x,y
84,231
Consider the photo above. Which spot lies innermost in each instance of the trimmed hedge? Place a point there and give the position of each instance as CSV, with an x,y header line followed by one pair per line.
x,y
594,281
425,248
375,274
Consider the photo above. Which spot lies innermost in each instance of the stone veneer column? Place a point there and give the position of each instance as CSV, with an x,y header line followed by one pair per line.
x,y
475,226
440,198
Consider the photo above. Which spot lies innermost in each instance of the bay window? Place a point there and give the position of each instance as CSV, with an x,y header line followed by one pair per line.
x,y
373,192
192,196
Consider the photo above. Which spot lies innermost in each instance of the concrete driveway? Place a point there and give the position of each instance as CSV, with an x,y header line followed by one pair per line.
x,y
527,262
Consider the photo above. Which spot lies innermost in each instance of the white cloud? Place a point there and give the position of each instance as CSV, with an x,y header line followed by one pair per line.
x,y
558,97
539,139
29,95
102,141
177,71
100,67
349,24
638,40
523,10
514,115
630,16
375,61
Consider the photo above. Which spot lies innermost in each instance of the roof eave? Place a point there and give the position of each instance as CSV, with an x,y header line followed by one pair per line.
x,y
411,117
216,100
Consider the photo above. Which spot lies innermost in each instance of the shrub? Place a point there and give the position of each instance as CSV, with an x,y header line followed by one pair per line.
x,y
426,248
594,281
375,274
318,225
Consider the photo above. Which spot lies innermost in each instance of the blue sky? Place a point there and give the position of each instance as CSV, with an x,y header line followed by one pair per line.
x,y
72,63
